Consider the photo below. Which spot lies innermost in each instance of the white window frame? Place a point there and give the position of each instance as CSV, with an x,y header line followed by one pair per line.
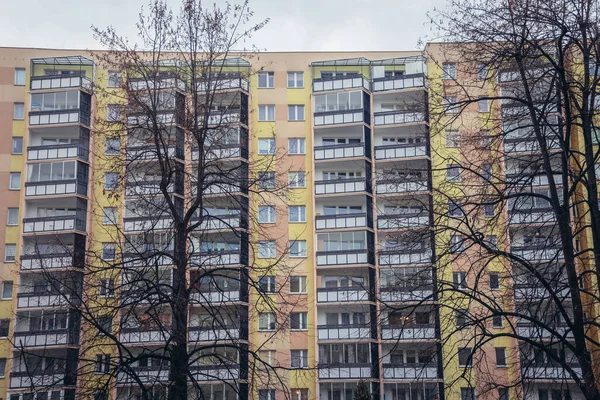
x,y
483,105
18,111
501,322
6,284
111,181
297,179
294,79
301,213
102,364
302,321
296,112
267,111
106,247
10,252
299,248
453,139
11,180
302,355
271,284
269,318
106,216
12,213
270,80
459,280
455,169
490,279
298,145
302,284
267,249
114,79
20,75
451,105
448,71
503,349
469,357
266,146
110,148
482,71
113,112
268,212
266,180
107,288
16,140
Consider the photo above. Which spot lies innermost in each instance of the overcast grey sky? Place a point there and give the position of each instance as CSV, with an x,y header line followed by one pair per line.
x,y
300,25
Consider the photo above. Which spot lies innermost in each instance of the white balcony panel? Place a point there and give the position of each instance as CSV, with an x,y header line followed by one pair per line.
x,y
210,335
401,187
399,83
329,153
42,83
43,262
391,152
339,118
56,300
50,189
52,153
344,372
393,118
406,295
402,222
148,224
340,186
326,296
144,336
343,333
407,333
38,381
41,339
61,224
66,117
405,258
215,297
342,259
341,222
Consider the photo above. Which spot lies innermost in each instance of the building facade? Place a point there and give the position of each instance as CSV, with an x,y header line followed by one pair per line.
x,y
355,140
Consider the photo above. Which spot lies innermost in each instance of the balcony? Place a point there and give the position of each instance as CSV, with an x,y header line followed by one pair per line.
x,y
144,335
401,186
221,152
343,221
411,81
346,371
411,371
344,332
398,117
524,179
546,252
417,293
144,121
408,332
215,297
219,373
45,299
339,151
403,221
156,84
38,378
74,150
57,117
218,258
47,262
221,222
400,151
151,374
150,153
532,216
340,83
51,337
224,119
342,294
221,84
327,118
55,224
548,371
145,224
52,82
535,290
344,257
340,186
404,256
213,333
537,332
137,259
527,144
140,187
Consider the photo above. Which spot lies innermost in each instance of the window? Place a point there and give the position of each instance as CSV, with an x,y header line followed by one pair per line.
x,y
460,280
299,321
465,357
19,80
14,181
113,146
298,248
266,80
454,210
452,139
297,180
266,214
19,111
490,210
17,145
110,180
296,146
494,280
266,321
266,113
451,104
114,79
10,252
299,359
268,357
109,251
297,214
461,318
109,215
266,249
12,217
486,171
296,113
102,363
104,325
107,287
453,173
113,112
266,180
448,71
299,394
483,105
298,284
492,241
266,146
2,367
467,394
500,357
7,289
295,80
497,321
99,395
482,71
266,394
503,394
4,327
266,284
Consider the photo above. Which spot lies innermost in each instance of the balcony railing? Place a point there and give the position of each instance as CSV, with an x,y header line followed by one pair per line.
x,y
401,294
340,83
56,117
51,82
144,224
39,379
75,150
211,334
408,332
147,153
324,118
217,84
215,297
390,152
139,187
217,258
146,259
344,332
339,151
221,152
353,185
343,257
530,291
221,222
55,188
527,144
147,121
342,294
409,256
392,186
156,84
144,335
51,337
532,216
532,331
145,375
225,118
342,221
398,117
223,372
538,252
345,371
524,179
61,223
51,261
548,371
399,82
37,300
403,221
411,371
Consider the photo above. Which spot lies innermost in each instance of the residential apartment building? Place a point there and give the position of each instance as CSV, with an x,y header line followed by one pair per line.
x,y
352,136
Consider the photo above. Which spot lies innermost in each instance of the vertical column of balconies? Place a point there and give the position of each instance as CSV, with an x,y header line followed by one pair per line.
x,y
46,334
409,324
